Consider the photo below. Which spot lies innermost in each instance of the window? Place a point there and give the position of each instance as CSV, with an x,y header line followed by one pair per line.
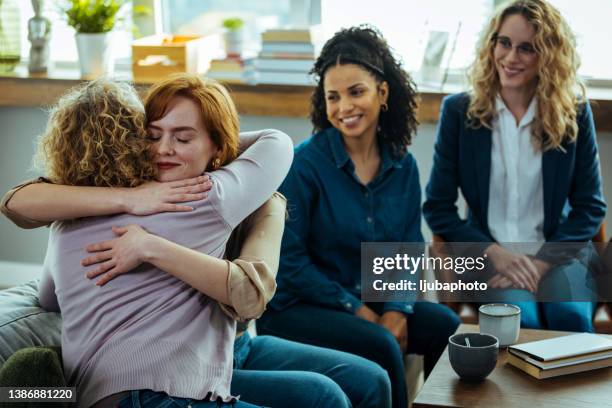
x,y
206,17
590,21
408,25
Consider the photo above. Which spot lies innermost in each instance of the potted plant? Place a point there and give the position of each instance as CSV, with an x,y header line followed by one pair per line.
x,y
233,36
94,21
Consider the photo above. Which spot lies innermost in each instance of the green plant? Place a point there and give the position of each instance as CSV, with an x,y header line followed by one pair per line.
x,y
93,16
233,24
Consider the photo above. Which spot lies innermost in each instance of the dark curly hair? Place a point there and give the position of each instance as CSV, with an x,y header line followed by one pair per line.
x,y
365,46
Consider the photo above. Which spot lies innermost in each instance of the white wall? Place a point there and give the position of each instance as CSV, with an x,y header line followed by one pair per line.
x,y
19,127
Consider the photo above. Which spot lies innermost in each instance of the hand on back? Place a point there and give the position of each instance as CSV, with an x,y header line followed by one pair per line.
x,y
155,197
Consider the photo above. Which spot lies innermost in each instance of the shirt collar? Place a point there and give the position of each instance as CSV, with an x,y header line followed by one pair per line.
x,y
341,157
500,106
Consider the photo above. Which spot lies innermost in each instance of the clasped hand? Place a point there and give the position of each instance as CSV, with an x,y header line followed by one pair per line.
x,y
515,270
395,322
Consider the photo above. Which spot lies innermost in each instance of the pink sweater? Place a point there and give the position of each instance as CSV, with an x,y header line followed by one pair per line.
x,y
147,329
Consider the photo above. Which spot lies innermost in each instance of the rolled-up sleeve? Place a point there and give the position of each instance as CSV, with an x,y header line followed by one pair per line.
x,y
16,218
251,279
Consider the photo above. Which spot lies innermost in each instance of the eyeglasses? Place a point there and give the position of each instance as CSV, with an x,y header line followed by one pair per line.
x,y
523,49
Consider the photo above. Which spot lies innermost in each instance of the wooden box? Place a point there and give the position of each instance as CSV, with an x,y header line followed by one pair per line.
x,y
157,56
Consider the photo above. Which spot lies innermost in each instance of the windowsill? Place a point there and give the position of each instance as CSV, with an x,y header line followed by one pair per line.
x,y
33,90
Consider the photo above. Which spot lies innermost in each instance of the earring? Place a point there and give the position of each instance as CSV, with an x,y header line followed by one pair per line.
x,y
216,163
384,107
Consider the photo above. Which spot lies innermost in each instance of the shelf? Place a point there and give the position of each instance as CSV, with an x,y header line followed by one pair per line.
x,y
22,89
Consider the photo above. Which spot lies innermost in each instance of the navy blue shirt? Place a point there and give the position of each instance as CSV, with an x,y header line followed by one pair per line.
x,y
331,213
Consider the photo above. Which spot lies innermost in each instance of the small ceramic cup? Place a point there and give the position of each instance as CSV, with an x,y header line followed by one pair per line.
x,y
476,361
502,321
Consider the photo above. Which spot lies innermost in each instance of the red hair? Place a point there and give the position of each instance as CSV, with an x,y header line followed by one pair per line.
x,y
218,111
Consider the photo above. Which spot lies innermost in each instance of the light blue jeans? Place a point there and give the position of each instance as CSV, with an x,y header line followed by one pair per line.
x,y
565,282
275,372
153,399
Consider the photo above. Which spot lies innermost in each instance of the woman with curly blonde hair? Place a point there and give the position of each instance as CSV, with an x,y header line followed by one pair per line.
x,y
166,331
96,136
521,148
192,127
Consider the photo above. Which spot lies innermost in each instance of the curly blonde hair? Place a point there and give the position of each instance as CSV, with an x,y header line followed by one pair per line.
x,y
559,90
96,136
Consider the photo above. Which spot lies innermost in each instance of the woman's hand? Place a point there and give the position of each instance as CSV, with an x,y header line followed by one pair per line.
x,y
367,314
155,197
119,255
397,323
517,268
500,281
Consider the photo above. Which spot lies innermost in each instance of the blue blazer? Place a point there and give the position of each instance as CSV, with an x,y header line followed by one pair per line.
x,y
574,206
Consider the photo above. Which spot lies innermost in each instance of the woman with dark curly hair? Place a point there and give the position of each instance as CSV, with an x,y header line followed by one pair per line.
x,y
353,181
521,148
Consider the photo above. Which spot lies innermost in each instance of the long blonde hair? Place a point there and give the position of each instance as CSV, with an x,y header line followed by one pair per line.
x,y
559,90
96,136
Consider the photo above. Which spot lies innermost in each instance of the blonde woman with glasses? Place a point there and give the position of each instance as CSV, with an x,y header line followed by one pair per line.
x,y
521,147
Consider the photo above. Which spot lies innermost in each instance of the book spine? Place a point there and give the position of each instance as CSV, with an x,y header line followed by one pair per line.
x,y
286,37
297,48
276,64
524,366
286,55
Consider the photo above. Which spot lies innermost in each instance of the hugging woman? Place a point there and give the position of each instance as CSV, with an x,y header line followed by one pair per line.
x,y
190,120
160,328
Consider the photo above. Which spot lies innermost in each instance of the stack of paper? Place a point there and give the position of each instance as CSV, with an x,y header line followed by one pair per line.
x,y
562,355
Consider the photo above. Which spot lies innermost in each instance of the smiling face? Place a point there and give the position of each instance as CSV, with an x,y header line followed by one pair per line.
x,y
353,99
182,147
515,58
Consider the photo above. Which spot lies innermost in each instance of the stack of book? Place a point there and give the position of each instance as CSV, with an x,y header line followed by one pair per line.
x,y
231,70
562,355
286,56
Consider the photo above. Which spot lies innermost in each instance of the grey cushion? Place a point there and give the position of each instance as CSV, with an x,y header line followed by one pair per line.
x,y
23,323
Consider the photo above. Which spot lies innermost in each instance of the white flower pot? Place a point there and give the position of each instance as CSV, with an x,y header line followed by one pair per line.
x,y
95,54
234,42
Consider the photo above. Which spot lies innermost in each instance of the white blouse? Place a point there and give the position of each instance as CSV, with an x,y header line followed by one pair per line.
x,y
516,195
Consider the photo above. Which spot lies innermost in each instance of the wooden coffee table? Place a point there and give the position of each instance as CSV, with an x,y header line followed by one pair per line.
x,y
508,386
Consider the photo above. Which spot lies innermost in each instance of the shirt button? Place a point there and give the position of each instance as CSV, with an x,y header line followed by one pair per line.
x,y
366,194
357,287
347,305
369,220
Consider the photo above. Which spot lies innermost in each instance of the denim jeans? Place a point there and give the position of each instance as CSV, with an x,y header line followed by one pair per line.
x,y
565,282
279,373
153,399
428,330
